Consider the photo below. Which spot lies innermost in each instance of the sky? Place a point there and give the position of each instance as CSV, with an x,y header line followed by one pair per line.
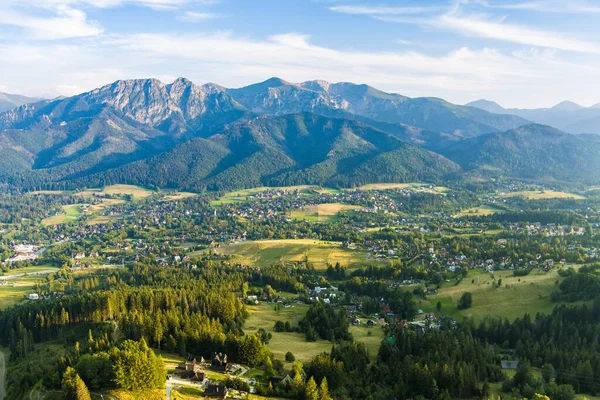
x,y
519,53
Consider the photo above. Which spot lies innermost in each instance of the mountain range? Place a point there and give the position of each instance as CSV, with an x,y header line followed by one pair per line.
x,y
8,101
207,137
567,116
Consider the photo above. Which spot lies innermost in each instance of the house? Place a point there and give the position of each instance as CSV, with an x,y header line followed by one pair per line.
x,y
285,381
33,296
219,363
191,369
509,364
216,391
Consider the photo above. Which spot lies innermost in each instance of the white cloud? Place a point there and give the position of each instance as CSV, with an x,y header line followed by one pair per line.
x,y
192,16
381,10
552,6
157,4
62,23
458,76
483,25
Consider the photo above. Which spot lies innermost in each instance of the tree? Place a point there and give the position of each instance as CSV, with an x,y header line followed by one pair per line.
x,y
73,386
439,306
310,391
289,357
324,390
466,300
136,366
269,371
548,373
95,370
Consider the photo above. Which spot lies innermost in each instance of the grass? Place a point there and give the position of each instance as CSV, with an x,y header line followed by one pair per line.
x,y
321,212
264,316
270,252
179,195
385,186
152,394
171,360
69,213
244,194
478,211
544,194
16,289
372,343
136,192
516,296
186,393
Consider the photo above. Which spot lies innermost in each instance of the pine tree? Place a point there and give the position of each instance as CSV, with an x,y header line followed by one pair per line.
x,y
73,386
311,392
324,390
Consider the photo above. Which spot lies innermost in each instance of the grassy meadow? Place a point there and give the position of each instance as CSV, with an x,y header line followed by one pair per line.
x,y
17,287
244,194
264,316
269,252
516,296
479,211
543,194
321,212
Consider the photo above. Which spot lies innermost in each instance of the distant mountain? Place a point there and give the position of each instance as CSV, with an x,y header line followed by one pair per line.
x,y
486,105
278,97
530,152
567,115
116,124
8,101
286,150
183,135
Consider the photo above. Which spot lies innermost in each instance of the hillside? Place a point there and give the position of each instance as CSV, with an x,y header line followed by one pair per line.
x,y
287,150
8,101
530,152
276,97
567,116
107,127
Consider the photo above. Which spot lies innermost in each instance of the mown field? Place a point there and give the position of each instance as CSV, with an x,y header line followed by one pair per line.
x,y
544,194
244,194
270,252
385,186
478,211
516,296
321,212
17,287
264,316
69,213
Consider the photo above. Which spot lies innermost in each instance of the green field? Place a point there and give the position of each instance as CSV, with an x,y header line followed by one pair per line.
x,y
516,296
244,194
478,211
385,186
69,213
136,192
321,212
264,316
544,194
16,288
270,252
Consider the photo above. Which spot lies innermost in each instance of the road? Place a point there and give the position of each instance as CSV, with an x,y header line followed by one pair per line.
x,y
44,272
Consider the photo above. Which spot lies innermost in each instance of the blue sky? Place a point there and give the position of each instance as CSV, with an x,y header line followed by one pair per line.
x,y
520,53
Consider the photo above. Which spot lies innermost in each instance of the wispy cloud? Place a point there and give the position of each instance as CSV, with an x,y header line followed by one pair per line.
x,y
382,10
192,16
483,25
551,6
63,22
